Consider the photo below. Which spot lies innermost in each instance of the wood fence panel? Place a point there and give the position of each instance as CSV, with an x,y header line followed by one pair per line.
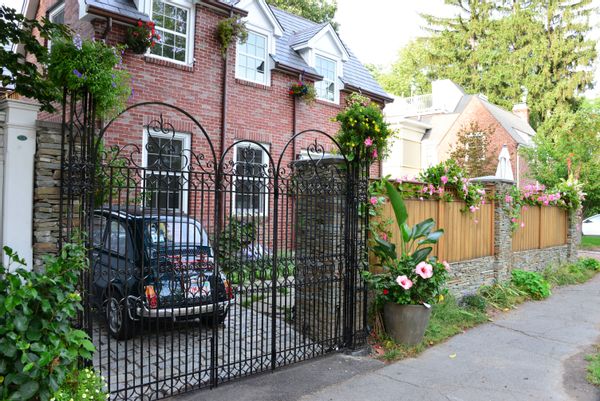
x,y
528,237
463,238
553,228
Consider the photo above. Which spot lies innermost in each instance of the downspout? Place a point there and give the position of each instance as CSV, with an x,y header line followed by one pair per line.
x,y
294,126
109,24
223,125
518,166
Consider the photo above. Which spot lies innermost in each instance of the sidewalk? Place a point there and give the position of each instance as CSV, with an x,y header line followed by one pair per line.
x,y
533,353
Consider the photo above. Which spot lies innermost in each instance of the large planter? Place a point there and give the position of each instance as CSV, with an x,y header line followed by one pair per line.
x,y
406,324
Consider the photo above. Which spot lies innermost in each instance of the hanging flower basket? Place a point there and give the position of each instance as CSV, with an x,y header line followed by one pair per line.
x,y
141,37
303,91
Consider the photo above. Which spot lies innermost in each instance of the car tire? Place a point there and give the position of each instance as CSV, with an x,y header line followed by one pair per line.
x,y
119,324
221,317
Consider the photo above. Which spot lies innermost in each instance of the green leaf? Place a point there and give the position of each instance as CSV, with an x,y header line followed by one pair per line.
x,y
397,204
21,323
433,237
28,389
420,254
384,248
88,345
406,232
423,228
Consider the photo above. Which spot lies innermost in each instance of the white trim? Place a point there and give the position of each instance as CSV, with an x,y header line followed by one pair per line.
x,y
267,64
277,28
312,42
336,86
60,8
186,152
190,32
265,180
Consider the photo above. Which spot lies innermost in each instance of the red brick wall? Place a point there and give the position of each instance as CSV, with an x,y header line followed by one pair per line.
x,y
477,112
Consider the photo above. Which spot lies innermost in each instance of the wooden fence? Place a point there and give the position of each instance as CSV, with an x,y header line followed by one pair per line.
x,y
466,235
544,227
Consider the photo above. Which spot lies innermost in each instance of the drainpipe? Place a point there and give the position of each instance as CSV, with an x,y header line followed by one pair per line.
x,y
294,126
109,24
223,125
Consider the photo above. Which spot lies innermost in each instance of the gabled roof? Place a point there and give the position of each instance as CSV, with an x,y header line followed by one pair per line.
x,y
297,30
518,128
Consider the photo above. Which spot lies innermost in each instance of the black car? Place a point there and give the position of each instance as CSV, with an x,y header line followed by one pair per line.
x,y
154,265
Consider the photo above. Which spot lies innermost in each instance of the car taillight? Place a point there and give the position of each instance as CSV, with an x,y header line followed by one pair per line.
x,y
151,297
228,289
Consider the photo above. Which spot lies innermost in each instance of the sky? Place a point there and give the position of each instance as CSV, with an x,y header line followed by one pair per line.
x,y
376,32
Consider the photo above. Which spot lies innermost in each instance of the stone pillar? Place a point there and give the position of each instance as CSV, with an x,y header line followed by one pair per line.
x,y
47,191
503,252
320,199
573,234
19,145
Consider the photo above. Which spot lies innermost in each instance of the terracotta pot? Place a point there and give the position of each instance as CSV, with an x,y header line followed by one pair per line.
x,y
406,324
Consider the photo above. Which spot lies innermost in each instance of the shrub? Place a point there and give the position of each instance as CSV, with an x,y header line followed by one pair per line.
x,y
589,264
502,295
39,347
474,301
83,384
531,283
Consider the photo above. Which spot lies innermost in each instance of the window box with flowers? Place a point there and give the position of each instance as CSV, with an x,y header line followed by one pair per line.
x,y
141,37
407,285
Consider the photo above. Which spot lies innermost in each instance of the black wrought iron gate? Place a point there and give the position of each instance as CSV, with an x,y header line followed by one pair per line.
x,y
209,267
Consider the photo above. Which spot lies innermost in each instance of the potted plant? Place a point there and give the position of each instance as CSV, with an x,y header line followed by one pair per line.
x,y
303,91
408,281
141,37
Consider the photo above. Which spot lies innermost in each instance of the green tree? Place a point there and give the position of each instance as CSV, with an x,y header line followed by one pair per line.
x,y
410,74
315,10
472,151
504,48
24,74
569,142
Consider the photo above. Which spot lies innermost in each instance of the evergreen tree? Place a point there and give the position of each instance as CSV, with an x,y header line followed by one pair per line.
x,y
410,73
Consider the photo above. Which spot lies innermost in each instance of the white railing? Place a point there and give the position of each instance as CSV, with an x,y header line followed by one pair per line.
x,y
415,105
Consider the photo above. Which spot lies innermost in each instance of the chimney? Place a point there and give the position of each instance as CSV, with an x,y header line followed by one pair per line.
x,y
521,110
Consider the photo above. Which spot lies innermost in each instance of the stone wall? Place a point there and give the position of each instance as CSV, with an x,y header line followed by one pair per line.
x,y
467,276
538,259
47,191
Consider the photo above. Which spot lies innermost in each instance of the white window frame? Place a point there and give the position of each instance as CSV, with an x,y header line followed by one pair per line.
x,y
336,64
264,194
267,75
189,40
57,10
186,153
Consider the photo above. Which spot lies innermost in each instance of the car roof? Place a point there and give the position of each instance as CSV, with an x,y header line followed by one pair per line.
x,y
145,213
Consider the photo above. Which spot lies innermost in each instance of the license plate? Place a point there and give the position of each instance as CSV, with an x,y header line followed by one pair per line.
x,y
196,291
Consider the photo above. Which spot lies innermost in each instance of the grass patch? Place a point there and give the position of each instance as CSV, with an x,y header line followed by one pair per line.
x,y
590,241
448,318
593,368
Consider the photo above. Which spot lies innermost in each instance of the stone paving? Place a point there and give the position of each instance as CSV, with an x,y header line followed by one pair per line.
x,y
170,358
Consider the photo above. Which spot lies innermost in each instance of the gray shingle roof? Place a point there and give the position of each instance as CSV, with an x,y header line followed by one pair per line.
x,y
126,8
299,30
518,128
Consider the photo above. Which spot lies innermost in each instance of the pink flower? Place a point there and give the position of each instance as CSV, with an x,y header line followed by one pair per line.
x,y
472,208
476,221
375,153
514,219
368,142
444,180
508,199
522,224
384,236
446,265
404,282
424,269
373,200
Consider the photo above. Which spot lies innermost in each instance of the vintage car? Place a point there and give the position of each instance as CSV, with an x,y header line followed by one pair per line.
x,y
154,265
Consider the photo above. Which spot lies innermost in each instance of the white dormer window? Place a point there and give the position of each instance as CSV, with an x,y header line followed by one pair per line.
x,y
174,22
326,89
251,59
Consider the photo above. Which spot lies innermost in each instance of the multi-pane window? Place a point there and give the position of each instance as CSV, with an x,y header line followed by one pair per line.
x,y
251,60
172,24
57,16
326,87
251,178
166,164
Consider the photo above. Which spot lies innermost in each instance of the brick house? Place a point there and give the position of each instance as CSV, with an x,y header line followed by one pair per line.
x,y
244,96
429,124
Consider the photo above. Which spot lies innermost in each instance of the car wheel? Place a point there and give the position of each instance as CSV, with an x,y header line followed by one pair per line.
x,y
120,325
221,317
